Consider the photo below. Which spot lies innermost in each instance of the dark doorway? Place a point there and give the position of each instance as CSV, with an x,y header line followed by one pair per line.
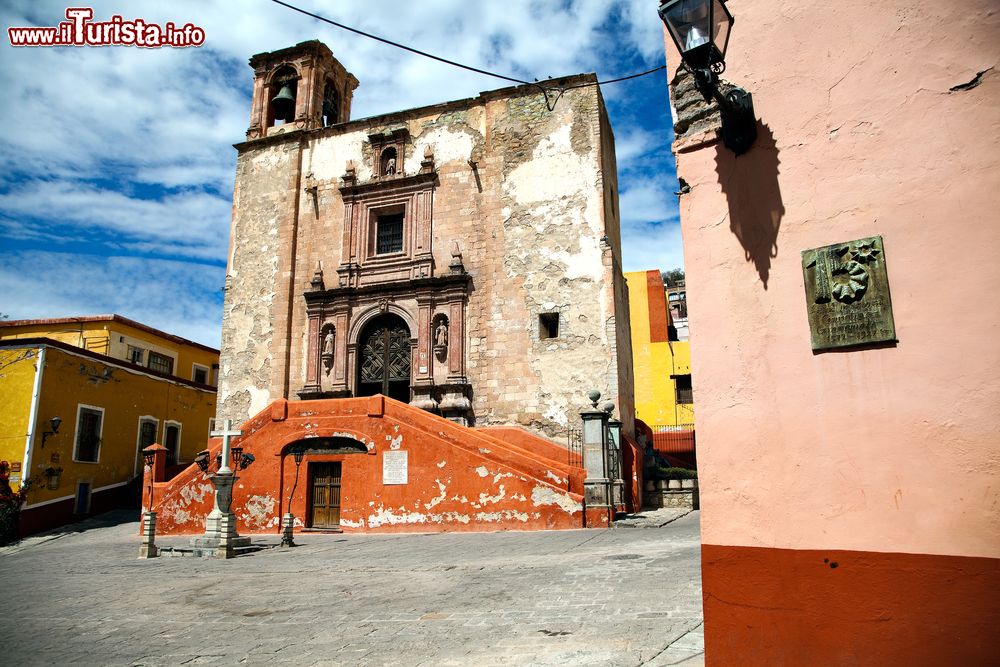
x,y
384,359
324,495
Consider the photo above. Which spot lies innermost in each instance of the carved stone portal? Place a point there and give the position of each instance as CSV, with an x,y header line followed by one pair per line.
x,y
847,292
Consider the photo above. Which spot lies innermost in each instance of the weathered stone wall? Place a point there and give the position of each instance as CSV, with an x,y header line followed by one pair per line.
x,y
528,195
262,200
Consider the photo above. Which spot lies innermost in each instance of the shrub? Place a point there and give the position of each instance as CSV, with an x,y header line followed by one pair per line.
x,y
676,473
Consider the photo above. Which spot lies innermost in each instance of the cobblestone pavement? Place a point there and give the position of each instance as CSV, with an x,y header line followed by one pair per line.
x,y
625,596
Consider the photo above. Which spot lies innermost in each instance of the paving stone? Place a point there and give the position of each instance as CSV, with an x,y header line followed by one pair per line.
x,y
625,596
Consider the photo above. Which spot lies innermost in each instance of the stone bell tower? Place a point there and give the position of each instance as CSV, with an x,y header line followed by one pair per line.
x,y
302,87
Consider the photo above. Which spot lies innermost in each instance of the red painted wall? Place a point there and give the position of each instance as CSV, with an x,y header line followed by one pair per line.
x,y
834,607
458,478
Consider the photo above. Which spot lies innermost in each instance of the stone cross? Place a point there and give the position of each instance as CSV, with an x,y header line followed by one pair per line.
x,y
226,433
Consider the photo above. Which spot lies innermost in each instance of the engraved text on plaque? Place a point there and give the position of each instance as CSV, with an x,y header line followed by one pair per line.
x,y
847,294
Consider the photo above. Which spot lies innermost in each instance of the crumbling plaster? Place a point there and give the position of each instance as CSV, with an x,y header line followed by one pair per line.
x,y
522,193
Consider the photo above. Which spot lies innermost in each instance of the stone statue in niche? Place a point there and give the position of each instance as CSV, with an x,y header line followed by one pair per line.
x,y
847,291
441,338
326,350
390,166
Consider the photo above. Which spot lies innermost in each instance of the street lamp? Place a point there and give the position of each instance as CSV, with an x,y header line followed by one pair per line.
x,y
289,519
55,421
700,30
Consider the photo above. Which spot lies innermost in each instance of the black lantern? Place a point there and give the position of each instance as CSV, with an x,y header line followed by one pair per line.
x,y
700,30
202,460
55,422
236,453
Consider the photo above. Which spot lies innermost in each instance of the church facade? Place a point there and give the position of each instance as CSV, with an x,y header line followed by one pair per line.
x,y
463,257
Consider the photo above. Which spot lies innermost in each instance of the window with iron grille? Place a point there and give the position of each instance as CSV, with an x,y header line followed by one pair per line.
x,y
684,392
88,435
147,433
161,363
389,233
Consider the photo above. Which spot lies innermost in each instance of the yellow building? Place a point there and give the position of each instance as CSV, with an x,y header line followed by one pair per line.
x,y
81,397
662,364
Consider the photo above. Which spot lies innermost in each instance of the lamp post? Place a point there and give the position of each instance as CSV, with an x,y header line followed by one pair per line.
x,y
288,521
700,31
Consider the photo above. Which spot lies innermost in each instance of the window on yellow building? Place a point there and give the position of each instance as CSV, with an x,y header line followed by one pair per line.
x,y
172,441
135,354
684,392
88,434
161,363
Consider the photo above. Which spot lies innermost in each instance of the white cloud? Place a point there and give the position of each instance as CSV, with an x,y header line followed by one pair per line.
x,y
132,147
179,297
652,246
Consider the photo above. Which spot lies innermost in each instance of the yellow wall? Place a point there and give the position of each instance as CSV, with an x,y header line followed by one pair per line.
x,y
125,395
655,391
17,377
112,337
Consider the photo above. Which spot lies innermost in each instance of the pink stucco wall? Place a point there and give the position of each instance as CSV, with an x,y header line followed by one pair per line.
x,y
890,449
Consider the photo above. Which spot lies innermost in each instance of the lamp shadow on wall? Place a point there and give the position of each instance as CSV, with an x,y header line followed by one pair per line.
x,y
750,183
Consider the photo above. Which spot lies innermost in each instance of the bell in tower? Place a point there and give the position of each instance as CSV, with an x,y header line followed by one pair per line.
x,y
302,87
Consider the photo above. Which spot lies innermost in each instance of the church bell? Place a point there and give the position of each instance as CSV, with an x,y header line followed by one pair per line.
x,y
284,104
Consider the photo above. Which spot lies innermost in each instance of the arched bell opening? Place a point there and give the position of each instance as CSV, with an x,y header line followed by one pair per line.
x,y
384,358
282,96
331,104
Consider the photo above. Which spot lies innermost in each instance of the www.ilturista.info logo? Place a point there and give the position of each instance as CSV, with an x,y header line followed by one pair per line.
x,y
79,30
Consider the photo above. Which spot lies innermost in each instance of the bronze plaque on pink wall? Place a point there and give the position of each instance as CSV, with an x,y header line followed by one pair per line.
x,y
847,294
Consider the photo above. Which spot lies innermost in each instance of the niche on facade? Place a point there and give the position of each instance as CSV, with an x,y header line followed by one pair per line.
x,y
388,152
328,338
440,329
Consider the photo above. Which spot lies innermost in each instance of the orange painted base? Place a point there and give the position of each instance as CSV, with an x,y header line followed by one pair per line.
x,y
790,607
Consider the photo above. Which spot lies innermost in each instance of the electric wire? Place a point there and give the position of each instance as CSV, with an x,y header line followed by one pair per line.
x,y
545,90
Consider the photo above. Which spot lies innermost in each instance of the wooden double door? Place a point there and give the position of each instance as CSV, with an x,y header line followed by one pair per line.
x,y
324,495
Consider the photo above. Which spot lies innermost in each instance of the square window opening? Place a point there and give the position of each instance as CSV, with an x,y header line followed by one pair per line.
x,y
685,394
200,375
135,354
161,363
548,325
389,233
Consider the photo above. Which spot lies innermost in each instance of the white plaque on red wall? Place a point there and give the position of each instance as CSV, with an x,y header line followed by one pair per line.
x,y
394,466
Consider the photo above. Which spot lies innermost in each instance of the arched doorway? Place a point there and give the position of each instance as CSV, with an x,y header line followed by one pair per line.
x,y
384,358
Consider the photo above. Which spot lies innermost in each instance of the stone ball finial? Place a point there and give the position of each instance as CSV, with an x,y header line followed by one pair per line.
x,y
608,407
594,396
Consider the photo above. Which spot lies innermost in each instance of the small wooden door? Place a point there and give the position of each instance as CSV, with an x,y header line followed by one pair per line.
x,y
324,483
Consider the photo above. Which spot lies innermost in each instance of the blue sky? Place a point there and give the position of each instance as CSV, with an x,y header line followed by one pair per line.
x,y
117,166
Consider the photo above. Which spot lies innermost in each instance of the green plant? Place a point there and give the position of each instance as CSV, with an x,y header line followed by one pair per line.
x,y
10,504
676,473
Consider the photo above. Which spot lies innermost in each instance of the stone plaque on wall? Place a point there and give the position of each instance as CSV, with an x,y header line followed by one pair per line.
x,y
394,467
847,294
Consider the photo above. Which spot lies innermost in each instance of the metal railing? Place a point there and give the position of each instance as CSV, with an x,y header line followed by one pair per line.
x,y
574,447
